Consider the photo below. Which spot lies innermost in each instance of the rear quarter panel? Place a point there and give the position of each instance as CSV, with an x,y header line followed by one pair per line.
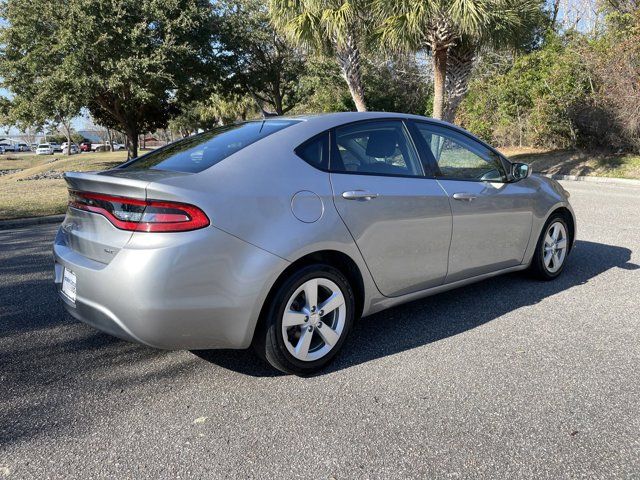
x,y
249,194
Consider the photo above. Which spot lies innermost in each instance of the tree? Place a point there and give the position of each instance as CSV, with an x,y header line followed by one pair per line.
x,y
214,110
40,94
5,113
615,59
260,62
334,28
131,62
226,109
534,100
440,25
43,96
460,61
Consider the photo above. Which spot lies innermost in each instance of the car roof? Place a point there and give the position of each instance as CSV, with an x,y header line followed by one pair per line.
x,y
331,120
345,117
312,124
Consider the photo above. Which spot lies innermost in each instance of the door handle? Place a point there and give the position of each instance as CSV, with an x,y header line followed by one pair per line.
x,y
358,195
464,197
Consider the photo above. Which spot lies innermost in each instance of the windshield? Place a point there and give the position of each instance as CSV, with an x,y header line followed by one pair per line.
x,y
197,153
43,145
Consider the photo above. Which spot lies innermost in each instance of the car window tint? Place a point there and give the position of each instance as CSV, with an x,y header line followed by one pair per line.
x,y
197,153
459,157
315,151
380,147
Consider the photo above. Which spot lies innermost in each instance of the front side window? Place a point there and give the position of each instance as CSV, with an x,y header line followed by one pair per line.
x,y
197,153
459,157
378,147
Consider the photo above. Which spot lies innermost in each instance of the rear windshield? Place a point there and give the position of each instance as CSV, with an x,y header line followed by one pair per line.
x,y
197,153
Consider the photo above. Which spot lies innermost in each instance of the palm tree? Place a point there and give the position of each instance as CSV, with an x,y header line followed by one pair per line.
x,y
460,62
441,25
328,27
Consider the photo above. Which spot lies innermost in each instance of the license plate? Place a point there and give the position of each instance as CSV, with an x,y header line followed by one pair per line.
x,y
69,284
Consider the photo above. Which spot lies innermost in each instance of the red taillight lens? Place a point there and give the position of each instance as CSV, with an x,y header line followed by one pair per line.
x,y
140,215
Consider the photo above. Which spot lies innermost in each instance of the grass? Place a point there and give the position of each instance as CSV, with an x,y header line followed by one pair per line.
x,y
12,162
20,197
30,198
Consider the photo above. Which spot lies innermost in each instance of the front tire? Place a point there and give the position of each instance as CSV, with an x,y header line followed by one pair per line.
x,y
552,248
307,321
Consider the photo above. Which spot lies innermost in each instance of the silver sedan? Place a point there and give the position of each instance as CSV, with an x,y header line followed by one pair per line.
x,y
279,234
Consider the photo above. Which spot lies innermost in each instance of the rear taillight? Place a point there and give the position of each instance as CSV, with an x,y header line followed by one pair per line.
x,y
140,215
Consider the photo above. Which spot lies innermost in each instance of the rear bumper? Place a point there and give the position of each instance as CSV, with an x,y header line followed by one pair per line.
x,y
193,290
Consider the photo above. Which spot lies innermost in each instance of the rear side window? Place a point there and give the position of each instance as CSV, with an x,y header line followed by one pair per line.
x,y
197,153
316,151
375,148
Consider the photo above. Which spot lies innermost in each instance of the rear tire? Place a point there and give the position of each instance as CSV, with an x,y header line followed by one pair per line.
x,y
307,320
552,249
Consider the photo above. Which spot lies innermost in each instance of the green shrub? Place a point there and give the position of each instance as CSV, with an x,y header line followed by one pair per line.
x,y
532,103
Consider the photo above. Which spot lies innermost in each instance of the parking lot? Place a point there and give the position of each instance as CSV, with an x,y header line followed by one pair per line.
x,y
506,378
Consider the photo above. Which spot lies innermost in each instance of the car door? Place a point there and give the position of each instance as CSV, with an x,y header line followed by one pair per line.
x,y
399,219
492,218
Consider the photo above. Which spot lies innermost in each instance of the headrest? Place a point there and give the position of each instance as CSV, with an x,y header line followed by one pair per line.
x,y
382,143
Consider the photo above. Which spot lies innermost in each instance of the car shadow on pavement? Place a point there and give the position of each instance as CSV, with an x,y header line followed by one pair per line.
x,y
55,373
447,314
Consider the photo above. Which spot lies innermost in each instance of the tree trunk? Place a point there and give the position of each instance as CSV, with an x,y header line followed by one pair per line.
x,y
110,139
348,57
555,10
277,101
260,104
68,143
277,96
67,130
439,77
460,62
132,143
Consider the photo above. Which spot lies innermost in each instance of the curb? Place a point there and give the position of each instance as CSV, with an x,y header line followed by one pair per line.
x,y
582,178
25,222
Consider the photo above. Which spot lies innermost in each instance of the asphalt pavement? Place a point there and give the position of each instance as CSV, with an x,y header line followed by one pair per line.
x,y
508,378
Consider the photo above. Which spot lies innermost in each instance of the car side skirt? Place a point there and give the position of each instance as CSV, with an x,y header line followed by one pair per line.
x,y
383,303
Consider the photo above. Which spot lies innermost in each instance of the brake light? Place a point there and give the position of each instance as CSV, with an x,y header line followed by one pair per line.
x,y
140,215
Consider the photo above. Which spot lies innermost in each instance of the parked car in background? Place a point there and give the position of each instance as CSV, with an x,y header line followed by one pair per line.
x,y
74,148
44,149
280,233
105,147
23,147
56,146
1,149
8,147
85,147
33,147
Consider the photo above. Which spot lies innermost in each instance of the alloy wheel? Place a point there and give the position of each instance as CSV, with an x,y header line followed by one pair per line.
x,y
314,319
555,247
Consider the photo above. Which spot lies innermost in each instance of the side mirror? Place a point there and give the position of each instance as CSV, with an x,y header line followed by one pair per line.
x,y
520,171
